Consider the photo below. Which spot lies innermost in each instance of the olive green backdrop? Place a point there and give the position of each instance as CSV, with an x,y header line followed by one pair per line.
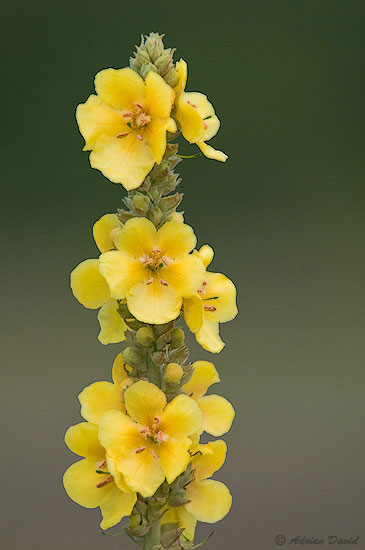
x,y
285,216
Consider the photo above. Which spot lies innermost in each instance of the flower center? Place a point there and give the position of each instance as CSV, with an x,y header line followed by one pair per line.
x,y
155,260
153,434
136,118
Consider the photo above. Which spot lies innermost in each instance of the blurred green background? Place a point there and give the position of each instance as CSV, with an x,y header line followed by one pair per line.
x,y
285,216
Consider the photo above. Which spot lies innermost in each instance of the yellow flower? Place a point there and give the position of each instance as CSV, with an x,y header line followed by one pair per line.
x,y
101,397
196,116
125,124
150,442
88,488
91,289
217,412
214,303
151,269
208,500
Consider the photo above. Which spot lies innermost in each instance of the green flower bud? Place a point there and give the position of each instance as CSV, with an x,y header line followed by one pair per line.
x,y
156,215
171,202
177,337
141,203
134,521
145,336
174,373
132,356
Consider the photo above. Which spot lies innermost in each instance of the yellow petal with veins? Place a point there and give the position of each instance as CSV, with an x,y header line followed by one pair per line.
x,y
155,135
96,118
121,272
103,232
190,121
99,398
211,153
159,96
174,456
154,303
88,285
125,160
176,239
112,325
111,467
186,275
204,375
181,417
121,88
119,433
206,464
142,471
210,500
80,481
138,237
218,414
82,439
193,313
200,102
144,402
221,293
208,336
115,505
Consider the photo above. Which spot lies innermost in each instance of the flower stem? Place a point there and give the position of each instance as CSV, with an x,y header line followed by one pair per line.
x,y
153,537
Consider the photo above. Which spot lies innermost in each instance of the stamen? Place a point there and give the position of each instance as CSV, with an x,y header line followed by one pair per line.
x,y
166,260
140,450
205,125
139,137
192,105
122,134
150,280
105,481
101,465
164,283
145,430
154,454
157,420
127,115
209,308
139,105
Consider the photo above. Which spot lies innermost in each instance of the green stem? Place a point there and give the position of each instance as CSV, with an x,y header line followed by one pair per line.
x,y
153,537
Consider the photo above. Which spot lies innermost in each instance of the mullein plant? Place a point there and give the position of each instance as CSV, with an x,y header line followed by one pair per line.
x,y
140,441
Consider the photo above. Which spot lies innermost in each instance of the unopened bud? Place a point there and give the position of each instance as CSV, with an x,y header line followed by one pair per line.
x,y
132,356
177,337
176,217
170,202
145,336
141,203
174,372
156,215
134,521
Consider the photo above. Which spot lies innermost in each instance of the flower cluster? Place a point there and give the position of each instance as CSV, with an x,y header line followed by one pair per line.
x,y
140,445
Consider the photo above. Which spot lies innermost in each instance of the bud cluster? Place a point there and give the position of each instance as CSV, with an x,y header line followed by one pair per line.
x,y
151,55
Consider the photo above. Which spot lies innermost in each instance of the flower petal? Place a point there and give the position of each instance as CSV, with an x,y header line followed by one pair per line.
x,y
116,505
125,160
121,88
119,372
205,253
95,119
119,433
138,237
102,232
181,417
182,71
210,500
206,464
211,153
218,414
159,96
186,275
208,336
82,439
176,239
193,313
118,477
142,472
99,398
174,456
221,293
144,402
200,103
204,375
189,120
121,272
211,127
112,325
80,481
155,135
154,303
88,286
